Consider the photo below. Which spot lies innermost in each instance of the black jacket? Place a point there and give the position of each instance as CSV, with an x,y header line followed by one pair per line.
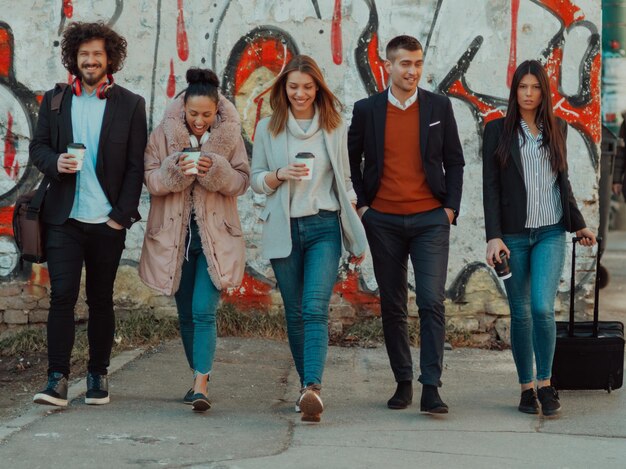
x,y
504,191
119,164
442,154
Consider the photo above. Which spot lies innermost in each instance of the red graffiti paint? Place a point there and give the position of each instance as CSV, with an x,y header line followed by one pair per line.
x,y
68,8
349,289
583,118
253,294
376,63
565,10
39,275
513,50
335,34
6,221
5,53
486,112
259,105
171,81
270,53
182,44
11,166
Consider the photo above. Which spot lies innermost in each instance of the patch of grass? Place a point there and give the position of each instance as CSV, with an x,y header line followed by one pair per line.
x,y
370,331
232,322
140,329
28,340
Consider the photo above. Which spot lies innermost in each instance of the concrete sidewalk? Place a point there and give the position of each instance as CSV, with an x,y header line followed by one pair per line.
x,y
252,423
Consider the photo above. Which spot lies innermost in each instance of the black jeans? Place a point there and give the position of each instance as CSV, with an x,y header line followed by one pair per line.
x,y
425,238
100,248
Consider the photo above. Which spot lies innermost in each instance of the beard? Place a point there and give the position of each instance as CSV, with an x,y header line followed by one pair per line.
x,y
91,78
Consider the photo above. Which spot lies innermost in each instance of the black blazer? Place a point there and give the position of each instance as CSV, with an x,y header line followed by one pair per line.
x,y
119,164
504,191
442,154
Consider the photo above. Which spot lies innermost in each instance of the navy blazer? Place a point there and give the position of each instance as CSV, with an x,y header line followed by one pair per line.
x,y
119,164
504,190
440,147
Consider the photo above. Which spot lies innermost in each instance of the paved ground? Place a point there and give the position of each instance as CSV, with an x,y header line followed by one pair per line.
x,y
252,423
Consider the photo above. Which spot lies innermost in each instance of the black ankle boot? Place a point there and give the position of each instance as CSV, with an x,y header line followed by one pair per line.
x,y
403,396
431,402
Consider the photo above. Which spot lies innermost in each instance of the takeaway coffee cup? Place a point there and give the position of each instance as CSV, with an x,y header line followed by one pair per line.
x,y
308,159
192,154
78,150
503,270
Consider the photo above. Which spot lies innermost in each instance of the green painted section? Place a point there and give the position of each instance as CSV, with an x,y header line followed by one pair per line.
x,y
613,23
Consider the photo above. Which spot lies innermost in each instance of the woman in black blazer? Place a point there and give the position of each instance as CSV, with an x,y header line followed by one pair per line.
x,y
529,206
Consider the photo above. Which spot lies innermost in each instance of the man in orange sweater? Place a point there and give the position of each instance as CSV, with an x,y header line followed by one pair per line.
x,y
407,170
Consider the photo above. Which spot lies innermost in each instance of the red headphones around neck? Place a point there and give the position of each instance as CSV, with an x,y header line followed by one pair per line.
x,y
102,91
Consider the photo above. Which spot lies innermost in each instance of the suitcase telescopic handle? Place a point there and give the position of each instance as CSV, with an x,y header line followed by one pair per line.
x,y
596,306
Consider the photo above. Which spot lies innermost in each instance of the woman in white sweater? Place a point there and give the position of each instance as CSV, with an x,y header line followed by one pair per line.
x,y
309,209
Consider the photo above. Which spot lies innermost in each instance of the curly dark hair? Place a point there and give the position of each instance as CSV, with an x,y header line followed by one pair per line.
x,y
77,33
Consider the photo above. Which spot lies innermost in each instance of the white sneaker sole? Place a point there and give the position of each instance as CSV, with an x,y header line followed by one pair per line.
x,y
44,399
97,400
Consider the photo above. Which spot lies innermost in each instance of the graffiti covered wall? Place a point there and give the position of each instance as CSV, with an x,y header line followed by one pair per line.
x,y
471,50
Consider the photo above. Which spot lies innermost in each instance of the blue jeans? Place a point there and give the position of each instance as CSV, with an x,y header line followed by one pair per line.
x,y
306,279
197,299
536,263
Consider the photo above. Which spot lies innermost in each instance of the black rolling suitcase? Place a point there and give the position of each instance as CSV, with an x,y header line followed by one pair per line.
x,y
589,354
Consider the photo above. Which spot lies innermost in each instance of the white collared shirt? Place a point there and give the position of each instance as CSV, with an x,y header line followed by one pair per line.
x,y
393,100
543,195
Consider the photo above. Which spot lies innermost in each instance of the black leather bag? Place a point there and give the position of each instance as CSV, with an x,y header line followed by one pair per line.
x,y
589,354
28,230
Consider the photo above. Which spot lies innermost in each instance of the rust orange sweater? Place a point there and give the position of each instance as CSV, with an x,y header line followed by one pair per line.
x,y
403,188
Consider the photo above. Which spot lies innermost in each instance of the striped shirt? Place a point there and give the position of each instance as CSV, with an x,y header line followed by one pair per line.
x,y
543,197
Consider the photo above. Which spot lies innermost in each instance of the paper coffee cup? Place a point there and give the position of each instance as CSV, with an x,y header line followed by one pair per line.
x,y
78,150
308,159
192,154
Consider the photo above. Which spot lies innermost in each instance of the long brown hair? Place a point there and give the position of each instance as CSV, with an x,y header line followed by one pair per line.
x,y
327,103
553,137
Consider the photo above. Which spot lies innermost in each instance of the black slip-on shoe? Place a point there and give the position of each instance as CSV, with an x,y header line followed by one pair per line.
x,y
200,402
528,402
188,399
549,399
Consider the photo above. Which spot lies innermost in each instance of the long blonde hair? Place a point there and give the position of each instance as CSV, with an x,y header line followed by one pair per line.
x,y
327,103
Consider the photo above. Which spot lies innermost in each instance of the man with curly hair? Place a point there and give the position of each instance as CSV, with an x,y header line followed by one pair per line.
x,y
90,201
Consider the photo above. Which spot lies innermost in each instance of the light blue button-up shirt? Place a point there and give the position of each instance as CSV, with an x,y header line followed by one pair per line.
x,y
90,202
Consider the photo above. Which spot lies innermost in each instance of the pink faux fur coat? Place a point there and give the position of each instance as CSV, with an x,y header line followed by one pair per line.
x,y
213,198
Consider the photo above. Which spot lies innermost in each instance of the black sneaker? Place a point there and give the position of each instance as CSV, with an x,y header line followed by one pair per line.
x,y
549,399
188,399
55,392
528,402
97,389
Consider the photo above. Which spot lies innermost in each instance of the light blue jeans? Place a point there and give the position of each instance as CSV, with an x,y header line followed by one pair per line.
x,y
306,279
196,300
536,263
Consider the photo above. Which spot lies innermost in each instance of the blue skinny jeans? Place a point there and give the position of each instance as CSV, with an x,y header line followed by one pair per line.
x,y
197,300
536,262
306,279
